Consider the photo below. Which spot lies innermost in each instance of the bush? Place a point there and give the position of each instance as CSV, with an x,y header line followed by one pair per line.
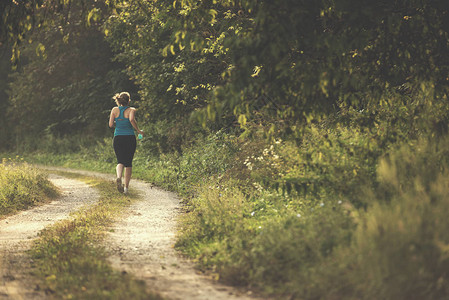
x,y
321,245
260,241
210,157
290,249
400,247
337,162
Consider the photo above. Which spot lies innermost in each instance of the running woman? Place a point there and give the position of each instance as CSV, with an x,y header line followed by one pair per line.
x,y
124,143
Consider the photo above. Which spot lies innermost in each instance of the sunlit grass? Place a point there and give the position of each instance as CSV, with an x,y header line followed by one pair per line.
x,y
68,257
22,186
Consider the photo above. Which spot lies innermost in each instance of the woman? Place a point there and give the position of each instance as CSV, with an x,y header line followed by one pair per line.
x,y
124,138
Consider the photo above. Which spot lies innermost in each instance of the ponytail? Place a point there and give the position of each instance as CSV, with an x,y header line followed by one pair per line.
x,y
122,98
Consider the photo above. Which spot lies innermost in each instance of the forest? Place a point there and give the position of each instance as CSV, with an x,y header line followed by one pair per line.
x,y
308,139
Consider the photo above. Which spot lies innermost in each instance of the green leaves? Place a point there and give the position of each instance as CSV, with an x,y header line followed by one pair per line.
x,y
40,50
290,61
65,80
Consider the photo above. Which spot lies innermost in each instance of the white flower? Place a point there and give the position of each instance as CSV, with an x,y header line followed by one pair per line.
x,y
339,201
253,213
321,204
298,215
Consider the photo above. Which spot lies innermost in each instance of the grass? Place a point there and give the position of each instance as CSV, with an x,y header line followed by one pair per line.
x,y
396,246
69,260
22,186
337,217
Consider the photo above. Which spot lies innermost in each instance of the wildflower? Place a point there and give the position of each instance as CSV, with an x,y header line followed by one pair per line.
x,y
298,215
339,201
321,204
252,214
260,227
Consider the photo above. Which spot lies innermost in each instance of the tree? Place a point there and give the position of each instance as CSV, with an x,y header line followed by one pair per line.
x,y
173,82
302,59
65,81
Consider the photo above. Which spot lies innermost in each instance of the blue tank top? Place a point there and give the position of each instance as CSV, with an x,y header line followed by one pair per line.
x,y
123,125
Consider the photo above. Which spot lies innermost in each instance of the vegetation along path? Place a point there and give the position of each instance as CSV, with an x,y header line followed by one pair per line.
x,y
17,231
142,242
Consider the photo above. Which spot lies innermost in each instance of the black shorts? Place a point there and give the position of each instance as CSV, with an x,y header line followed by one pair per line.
x,y
125,147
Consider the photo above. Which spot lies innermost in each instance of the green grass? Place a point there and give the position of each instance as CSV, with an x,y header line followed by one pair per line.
x,y
335,217
69,260
324,246
22,186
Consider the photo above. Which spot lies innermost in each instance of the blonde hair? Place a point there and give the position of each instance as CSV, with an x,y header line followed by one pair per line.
x,y
122,98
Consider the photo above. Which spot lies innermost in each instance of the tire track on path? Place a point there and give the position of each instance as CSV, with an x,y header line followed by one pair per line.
x,y
18,231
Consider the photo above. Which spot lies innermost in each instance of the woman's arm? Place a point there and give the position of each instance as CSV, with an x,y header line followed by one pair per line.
x,y
132,120
112,118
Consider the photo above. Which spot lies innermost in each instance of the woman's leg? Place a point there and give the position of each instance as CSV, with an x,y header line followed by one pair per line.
x,y
119,170
131,149
128,173
118,145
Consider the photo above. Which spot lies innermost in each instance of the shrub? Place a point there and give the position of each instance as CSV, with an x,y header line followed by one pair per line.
x,y
289,250
337,162
392,247
209,157
258,240
400,247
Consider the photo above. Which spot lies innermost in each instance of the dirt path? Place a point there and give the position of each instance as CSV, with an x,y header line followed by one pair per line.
x,y
142,244
17,231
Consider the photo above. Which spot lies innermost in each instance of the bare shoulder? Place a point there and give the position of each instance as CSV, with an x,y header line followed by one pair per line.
x,y
114,110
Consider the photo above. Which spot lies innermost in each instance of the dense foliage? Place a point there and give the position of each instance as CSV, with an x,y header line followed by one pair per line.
x,y
294,60
63,84
279,64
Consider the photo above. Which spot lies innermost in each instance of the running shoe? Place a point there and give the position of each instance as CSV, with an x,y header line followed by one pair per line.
x,y
119,185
